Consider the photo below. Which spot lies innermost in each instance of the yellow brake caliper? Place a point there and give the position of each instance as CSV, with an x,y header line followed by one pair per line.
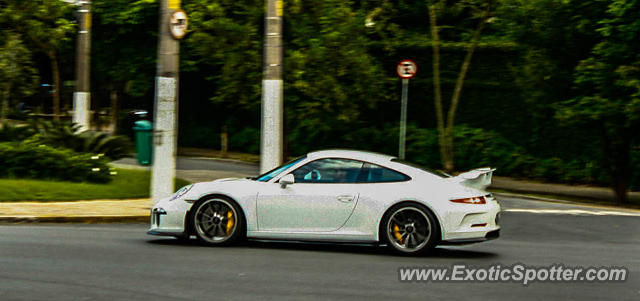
x,y
229,222
397,234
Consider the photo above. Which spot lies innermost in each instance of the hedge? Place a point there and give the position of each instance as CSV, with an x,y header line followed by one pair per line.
x,y
39,161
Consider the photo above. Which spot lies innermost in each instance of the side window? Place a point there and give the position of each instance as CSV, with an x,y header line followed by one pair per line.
x,y
378,174
330,170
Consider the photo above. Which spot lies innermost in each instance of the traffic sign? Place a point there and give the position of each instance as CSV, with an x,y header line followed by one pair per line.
x,y
407,69
178,24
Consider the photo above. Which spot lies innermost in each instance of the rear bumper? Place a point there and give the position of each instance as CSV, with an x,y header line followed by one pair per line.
x,y
476,224
463,241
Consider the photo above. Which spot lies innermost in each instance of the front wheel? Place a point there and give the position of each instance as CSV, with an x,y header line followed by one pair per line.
x,y
217,221
410,229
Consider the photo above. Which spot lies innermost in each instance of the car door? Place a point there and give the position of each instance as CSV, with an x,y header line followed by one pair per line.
x,y
321,200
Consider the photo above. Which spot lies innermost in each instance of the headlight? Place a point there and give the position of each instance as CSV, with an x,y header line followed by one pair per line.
x,y
182,191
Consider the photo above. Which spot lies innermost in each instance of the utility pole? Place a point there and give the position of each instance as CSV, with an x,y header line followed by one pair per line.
x,y
166,103
82,95
272,89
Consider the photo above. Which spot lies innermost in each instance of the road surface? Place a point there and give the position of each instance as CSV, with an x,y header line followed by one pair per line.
x,y
121,262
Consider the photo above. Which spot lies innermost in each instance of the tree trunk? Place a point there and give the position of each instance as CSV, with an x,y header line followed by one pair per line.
x,y
5,104
455,98
617,158
622,167
55,72
447,163
115,111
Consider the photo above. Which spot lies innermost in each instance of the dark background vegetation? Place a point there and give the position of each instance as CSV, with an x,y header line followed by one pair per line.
x,y
532,103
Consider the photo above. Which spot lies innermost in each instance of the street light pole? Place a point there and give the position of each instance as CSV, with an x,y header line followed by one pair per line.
x,y
272,89
82,95
166,106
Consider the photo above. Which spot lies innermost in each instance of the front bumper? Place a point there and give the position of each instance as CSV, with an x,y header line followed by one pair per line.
x,y
168,218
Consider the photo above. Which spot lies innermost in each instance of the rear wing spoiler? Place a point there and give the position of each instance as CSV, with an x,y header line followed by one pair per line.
x,y
479,178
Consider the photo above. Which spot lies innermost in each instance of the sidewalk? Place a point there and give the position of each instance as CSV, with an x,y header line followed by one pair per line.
x,y
98,211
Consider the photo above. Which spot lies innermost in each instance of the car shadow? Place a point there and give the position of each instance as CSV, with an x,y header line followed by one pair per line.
x,y
366,249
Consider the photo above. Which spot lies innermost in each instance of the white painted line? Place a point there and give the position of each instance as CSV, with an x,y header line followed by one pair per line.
x,y
573,212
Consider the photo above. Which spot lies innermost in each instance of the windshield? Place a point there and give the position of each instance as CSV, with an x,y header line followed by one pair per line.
x,y
274,172
429,170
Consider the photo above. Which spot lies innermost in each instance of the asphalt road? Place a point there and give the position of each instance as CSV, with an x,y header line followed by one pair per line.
x,y
121,262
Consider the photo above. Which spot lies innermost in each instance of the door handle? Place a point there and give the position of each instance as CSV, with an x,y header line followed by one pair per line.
x,y
346,198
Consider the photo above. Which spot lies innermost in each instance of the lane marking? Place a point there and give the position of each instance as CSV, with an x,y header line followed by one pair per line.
x,y
573,212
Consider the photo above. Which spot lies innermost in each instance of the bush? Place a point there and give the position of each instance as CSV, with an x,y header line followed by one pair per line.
x,y
246,140
12,132
39,161
66,135
478,147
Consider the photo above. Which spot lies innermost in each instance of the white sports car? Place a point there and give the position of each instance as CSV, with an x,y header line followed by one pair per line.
x,y
337,196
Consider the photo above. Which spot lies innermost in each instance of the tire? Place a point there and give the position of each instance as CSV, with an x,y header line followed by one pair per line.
x,y
410,229
218,221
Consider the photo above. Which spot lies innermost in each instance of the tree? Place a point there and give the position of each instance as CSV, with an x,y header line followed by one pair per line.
x,y
608,83
331,78
17,75
481,10
48,25
124,38
553,36
329,74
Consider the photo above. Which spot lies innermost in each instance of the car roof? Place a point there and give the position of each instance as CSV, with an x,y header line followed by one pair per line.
x,y
351,154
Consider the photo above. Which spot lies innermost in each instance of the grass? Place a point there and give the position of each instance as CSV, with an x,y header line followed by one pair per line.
x,y
126,184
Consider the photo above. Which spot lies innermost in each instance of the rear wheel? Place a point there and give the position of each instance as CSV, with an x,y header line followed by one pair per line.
x,y
218,221
410,229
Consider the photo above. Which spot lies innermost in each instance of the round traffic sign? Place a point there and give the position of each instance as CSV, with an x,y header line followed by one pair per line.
x,y
407,69
178,24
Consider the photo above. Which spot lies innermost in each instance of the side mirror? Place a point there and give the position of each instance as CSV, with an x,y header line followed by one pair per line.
x,y
286,180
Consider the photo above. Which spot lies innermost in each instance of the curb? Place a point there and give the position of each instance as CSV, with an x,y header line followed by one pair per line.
x,y
549,200
228,160
99,219
536,198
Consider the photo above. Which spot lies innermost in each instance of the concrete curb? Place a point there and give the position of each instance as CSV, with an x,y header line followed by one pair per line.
x,y
542,199
99,219
536,198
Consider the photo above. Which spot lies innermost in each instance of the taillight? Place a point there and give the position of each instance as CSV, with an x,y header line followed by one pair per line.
x,y
473,200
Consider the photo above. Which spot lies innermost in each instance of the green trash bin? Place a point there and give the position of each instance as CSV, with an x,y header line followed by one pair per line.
x,y
143,130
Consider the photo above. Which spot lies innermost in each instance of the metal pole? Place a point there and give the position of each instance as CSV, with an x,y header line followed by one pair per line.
x,y
82,95
272,89
403,118
166,106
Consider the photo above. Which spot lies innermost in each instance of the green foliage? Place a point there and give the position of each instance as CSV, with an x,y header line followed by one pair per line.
x,y
48,24
12,132
39,161
60,134
608,95
245,139
124,38
66,135
477,148
226,41
18,78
